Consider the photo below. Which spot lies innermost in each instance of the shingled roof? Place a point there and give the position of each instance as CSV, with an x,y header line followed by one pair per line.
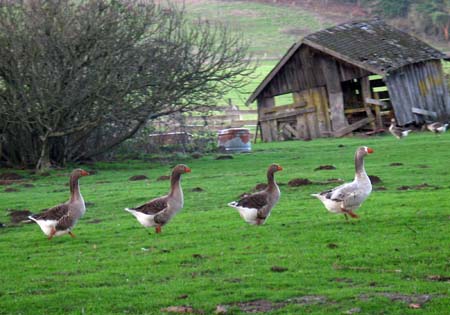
x,y
374,45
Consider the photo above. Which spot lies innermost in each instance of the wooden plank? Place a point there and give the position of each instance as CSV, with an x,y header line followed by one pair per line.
x,y
302,129
355,110
335,93
424,112
289,128
373,101
288,114
283,108
266,135
348,129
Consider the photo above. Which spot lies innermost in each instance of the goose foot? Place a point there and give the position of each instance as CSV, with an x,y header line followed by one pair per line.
x,y
350,213
158,229
71,234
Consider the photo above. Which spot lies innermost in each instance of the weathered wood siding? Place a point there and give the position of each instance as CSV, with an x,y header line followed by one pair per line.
x,y
304,71
420,85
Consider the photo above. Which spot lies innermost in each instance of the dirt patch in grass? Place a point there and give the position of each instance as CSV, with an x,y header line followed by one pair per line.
x,y
418,187
137,177
259,187
299,182
94,221
396,164
262,306
18,216
182,310
374,179
380,188
438,278
325,168
163,177
423,166
27,185
278,269
400,297
11,176
11,189
197,189
224,157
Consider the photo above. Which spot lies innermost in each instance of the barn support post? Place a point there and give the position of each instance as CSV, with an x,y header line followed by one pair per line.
x,y
366,92
265,103
335,93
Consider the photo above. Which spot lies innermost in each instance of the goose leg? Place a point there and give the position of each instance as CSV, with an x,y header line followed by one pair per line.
x,y
346,217
158,229
52,233
350,213
71,234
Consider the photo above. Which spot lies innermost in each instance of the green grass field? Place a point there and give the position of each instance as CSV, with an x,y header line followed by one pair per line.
x,y
393,256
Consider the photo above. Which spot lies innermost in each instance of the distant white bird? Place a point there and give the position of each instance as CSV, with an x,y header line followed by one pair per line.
x,y
348,197
437,127
397,131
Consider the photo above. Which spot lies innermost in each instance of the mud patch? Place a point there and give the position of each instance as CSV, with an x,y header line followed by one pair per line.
x,y
380,188
163,177
259,187
399,297
299,182
438,278
396,164
94,221
11,189
423,166
268,306
10,176
137,177
197,189
18,216
182,310
278,269
224,157
374,179
325,167
418,187
196,155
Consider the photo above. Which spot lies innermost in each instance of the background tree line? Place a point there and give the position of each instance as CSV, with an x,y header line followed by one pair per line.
x,y
429,17
77,78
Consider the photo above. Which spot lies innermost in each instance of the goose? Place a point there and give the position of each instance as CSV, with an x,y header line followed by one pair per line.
x,y
157,212
397,131
256,208
437,127
61,219
348,197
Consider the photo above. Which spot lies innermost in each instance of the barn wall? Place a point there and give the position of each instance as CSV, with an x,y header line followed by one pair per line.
x,y
420,85
304,71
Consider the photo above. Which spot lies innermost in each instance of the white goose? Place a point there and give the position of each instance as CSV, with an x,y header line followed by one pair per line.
x,y
437,127
348,197
256,208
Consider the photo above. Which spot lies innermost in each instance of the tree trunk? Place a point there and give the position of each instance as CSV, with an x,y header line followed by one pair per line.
x,y
44,158
445,28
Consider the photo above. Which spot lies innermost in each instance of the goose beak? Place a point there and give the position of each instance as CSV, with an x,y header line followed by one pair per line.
x,y
279,168
187,170
369,150
84,173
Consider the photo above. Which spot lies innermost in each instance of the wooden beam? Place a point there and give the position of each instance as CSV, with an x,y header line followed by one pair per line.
x,y
346,130
287,114
424,112
373,101
289,128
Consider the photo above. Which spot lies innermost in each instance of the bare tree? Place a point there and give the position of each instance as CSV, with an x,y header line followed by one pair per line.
x,y
79,77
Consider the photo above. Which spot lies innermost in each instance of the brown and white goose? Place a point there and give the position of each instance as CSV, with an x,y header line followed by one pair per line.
x,y
437,127
397,131
348,197
256,208
157,212
61,219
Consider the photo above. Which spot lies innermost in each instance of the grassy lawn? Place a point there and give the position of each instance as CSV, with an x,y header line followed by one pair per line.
x,y
208,256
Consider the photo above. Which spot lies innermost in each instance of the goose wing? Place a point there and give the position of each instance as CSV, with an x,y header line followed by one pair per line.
x,y
154,206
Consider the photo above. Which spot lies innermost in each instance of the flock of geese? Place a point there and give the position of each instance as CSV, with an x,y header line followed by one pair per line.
x,y
253,208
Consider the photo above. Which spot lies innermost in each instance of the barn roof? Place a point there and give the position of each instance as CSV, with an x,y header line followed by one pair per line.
x,y
372,45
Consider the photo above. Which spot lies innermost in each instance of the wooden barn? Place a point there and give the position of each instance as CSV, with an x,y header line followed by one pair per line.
x,y
356,75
